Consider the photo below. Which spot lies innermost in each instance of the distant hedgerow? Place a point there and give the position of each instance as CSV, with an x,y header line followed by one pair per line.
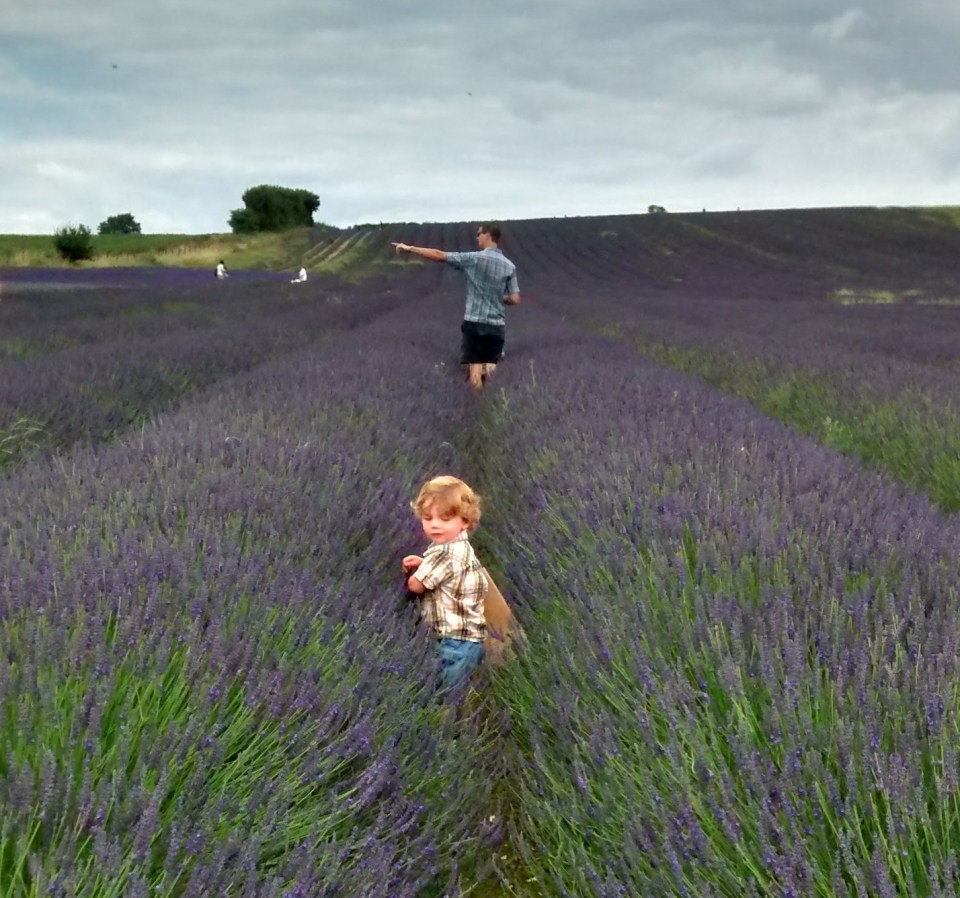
x,y
74,243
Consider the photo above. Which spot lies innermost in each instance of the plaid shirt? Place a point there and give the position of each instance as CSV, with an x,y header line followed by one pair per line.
x,y
490,277
455,582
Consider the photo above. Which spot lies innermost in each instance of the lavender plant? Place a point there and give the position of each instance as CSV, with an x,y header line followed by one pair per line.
x,y
87,367
207,684
755,306
741,677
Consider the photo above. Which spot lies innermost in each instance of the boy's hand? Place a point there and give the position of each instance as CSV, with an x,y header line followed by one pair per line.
x,y
411,563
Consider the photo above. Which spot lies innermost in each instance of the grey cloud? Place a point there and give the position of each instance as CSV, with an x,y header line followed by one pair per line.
x,y
401,109
838,29
727,158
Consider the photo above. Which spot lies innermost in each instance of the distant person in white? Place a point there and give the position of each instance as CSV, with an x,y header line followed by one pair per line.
x,y
222,270
301,276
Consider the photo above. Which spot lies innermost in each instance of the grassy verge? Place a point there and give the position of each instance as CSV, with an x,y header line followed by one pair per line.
x,y
908,435
268,250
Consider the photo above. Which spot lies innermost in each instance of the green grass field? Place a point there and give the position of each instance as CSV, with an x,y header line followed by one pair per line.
x,y
267,250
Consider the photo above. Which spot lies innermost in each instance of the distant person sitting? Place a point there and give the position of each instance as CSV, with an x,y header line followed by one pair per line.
x,y
301,276
222,270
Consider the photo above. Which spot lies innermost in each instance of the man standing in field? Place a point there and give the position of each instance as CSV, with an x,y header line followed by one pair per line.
x,y
491,284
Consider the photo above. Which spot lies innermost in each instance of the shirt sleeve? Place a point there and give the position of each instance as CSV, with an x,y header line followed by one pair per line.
x,y
462,261
435,567
512,285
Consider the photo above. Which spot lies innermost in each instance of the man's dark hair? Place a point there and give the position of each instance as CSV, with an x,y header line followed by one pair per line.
x,y
492,229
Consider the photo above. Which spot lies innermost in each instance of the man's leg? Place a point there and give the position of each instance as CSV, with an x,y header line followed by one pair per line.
x,y
468,351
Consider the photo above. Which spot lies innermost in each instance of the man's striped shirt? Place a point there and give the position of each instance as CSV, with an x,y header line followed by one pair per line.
x,y
490,277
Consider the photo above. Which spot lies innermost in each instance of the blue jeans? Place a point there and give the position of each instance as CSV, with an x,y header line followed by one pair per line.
x,y
458,659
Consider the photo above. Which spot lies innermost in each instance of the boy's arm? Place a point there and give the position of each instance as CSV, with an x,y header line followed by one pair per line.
x,y
410,564
433,569
415,586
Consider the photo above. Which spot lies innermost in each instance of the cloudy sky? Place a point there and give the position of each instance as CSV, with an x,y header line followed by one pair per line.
x,y
426,111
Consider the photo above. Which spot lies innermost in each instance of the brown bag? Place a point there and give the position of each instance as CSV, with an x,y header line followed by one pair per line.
x,y
504,633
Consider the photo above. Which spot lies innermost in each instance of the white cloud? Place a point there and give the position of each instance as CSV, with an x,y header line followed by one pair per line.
x,y
754,84
61,173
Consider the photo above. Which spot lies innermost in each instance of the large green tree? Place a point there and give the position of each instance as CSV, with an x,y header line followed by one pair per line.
x,y
124,223
271,208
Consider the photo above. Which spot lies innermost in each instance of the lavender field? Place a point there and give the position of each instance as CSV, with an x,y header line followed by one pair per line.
x,y
720,462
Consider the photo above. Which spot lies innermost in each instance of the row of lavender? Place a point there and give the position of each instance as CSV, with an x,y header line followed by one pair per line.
x,y
742,668
879,383
87,364
208,683
864,357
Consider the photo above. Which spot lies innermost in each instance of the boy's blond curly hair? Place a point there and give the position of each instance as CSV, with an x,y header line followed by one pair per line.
x,y
448,495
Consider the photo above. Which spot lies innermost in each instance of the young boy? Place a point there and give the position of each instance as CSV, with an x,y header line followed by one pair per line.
x,y
448,577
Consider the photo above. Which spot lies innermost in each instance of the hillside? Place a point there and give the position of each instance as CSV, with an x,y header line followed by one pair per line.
x,y
869,246
720,252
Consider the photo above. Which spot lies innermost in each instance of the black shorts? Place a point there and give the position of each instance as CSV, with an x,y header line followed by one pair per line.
x,y
480,343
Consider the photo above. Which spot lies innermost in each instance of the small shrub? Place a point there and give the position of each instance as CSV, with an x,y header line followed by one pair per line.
x,y
74,243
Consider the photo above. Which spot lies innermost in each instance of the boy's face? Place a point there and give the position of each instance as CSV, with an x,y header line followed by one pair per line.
x,y
441,526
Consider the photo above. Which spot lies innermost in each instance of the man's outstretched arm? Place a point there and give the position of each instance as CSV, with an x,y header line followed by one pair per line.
x,y
436,255
511,299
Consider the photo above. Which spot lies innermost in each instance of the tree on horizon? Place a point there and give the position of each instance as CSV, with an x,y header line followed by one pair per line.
x,y
124,223
268,207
